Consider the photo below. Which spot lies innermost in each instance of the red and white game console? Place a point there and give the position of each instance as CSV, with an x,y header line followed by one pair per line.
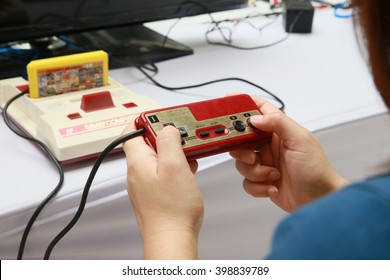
x,y
77,125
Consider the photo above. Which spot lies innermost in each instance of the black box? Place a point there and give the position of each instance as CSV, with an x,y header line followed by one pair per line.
x,y
297,16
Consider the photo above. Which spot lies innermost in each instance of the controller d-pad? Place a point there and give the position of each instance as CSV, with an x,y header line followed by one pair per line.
x,y
170,123
183,131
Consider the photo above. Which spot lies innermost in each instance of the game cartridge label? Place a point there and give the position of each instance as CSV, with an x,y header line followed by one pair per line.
x,y
65,74
70,79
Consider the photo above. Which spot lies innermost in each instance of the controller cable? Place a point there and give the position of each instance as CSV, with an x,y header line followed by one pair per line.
x,y
87,187
53,159
152,67
280,101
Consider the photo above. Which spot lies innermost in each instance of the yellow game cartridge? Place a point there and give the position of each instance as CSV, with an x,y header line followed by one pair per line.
x,y
65,74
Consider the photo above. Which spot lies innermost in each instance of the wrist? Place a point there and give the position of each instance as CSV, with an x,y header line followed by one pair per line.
x,y
171,245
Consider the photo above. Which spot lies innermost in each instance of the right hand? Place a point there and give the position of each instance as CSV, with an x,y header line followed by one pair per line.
x,y
165,195
292,169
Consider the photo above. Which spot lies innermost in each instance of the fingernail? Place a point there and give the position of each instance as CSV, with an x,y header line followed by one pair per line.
x,y
272,191
256,118
273,176
249,158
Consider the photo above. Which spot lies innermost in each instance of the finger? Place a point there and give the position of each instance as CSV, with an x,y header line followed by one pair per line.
x,y
257,172
193,166
259,189
273,119
169,147
277,122
247,156
265,106
244,155
234,93
267,155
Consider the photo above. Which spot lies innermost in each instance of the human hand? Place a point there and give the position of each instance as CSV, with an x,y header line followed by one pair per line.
x,y
292,169
165,195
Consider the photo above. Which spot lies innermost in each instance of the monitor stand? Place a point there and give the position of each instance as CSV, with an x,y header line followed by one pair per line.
x,y
133,45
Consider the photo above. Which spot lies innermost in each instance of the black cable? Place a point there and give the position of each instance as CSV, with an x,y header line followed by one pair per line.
x,y
208,12
87,187
282,105
228,39
155,70
52,158
230,45
169,31
150,67
247,48
236,22
220,29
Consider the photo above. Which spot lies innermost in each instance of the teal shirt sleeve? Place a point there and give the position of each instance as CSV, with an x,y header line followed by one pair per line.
x,y
352,224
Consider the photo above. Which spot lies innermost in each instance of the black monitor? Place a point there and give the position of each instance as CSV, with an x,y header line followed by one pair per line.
x,y
32,29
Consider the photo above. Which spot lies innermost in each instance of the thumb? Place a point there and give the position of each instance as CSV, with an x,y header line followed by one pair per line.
x,y
280,124
169,145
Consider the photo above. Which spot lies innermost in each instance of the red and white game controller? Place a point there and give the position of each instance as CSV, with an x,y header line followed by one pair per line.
x,y
207,127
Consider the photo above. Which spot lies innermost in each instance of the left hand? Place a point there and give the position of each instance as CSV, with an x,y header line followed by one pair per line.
x,y
292,169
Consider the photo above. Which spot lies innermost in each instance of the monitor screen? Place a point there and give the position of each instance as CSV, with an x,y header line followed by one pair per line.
x,y
92,24
23,19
